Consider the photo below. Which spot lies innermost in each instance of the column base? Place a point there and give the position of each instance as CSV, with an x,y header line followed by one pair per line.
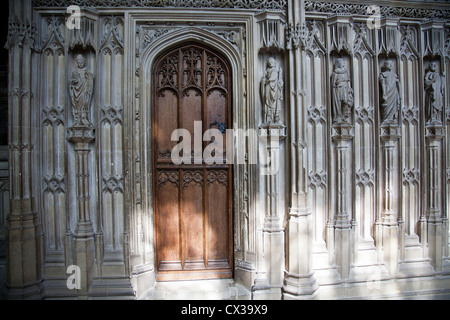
x,y
84,230
29,291
84,257
343,251
390,248
299,287
271,293
435,244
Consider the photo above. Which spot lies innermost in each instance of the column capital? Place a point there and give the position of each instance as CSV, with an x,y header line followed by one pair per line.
x,y
81,134
342,132
435,132
390,132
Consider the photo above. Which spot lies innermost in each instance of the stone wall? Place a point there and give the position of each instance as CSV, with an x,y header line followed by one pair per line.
x,y
359,200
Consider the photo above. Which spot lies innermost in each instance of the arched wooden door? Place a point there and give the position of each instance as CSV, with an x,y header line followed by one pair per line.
x,y
192,202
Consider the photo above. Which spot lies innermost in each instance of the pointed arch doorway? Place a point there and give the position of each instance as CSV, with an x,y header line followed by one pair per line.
x,y
192,202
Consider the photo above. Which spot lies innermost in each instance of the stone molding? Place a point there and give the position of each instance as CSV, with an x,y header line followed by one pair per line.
x,y
273,5
234,4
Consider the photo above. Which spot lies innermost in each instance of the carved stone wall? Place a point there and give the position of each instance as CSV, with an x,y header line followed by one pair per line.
x,y
360,201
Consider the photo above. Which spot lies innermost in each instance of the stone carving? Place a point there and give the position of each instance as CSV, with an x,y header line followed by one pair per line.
x,y
411,176
390,100
21,33
408,51
54,42
340,37
317,114
271,39
53,116
296,36
307,35
112,115
342,93
388,42
81,86
111,38
363,9
54,185
447,43
317,180
365,177
434,92
310,6
362,44
364,115
232,36
112,184
151,35
84,38
271,88
237,4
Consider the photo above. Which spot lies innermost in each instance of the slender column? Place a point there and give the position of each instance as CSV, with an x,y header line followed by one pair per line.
x,y
434,98
390,193
299,281
23,227
434,139
268,285
342,136
83,237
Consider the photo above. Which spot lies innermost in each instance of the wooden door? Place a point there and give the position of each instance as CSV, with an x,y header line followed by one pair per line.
x,y
193,201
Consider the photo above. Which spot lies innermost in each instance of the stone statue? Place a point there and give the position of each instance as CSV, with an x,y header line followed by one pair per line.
x,y
342,93
434,93
389,94
272,92
81,86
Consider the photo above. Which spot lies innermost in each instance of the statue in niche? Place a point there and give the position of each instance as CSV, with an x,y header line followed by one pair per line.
x,y
81,86
271,88
389,94
434,93
342,93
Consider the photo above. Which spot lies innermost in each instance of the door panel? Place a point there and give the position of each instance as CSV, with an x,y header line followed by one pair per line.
x,y
193,201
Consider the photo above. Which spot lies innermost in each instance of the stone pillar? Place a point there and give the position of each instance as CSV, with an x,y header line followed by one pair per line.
x,y
23,222
268,286
342,136
434,98
434,140
83,236
299,281
390,195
